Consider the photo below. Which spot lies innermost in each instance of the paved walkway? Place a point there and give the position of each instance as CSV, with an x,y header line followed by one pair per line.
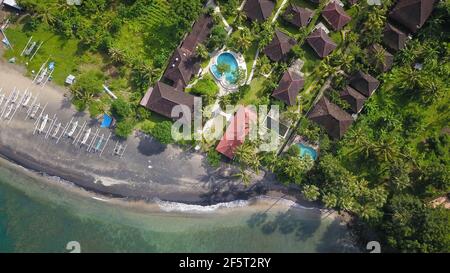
x,y
278,11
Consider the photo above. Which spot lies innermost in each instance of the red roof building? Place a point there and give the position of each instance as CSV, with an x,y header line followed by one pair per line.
x,y
237,131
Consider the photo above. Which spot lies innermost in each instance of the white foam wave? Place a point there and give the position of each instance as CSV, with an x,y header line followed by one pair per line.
x,y
181,207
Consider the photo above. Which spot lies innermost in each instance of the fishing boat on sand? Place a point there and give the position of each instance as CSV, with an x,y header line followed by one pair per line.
x,y
43,124
86,136
72,130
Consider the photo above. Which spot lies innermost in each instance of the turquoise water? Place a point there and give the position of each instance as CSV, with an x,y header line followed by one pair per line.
x,y
41,217
307,151
226,58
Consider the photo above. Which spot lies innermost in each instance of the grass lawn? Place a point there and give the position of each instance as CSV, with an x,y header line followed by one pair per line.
x,y
310,58
64,52
256,87
249,57
336,36
305,4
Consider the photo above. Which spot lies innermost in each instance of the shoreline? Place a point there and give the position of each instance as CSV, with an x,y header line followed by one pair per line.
x,y
264,203
188,180
148,169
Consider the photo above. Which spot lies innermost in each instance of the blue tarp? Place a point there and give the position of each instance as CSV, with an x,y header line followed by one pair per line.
x,y
107,120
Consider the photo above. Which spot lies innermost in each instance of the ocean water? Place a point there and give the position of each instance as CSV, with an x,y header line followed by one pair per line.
x,y
41,217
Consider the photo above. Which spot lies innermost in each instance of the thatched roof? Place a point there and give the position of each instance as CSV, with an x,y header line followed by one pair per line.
x,y
412,14
298,16
354,98
364,83
335,15
321,42
289,87
394,38
162,98
332,118
258,10
280,45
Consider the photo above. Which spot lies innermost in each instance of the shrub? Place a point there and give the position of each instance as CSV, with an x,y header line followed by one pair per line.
x,y
205,87
124,128
213,158
120,109
163,132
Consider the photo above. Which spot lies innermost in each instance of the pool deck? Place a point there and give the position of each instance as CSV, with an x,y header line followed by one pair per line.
x,y
223,83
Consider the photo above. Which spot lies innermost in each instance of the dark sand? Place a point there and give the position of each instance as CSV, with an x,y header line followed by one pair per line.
x,y
147,170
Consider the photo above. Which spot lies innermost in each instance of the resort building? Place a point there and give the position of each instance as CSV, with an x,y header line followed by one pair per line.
x,y
182,66
388,59
394,38
258,10
412,14
353,98
335,15
332,118
169,91
298,16
321,43
162,98
280,45
289,87
364,83
237,131
11,4
199,33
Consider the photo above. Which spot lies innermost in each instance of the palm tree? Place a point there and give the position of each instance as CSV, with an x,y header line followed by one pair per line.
x,y
244,176
386,149
244,39
116,54
246,155
240,18
373,26
326,70
223,68
202,52
378,57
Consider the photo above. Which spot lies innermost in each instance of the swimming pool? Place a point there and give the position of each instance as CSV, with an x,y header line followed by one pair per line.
x,y
229,59
307,150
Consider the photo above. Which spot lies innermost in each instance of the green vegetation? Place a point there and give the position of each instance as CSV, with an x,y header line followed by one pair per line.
x,y
213,158
218,38
123,44
162,131
87,86
206,88
395,158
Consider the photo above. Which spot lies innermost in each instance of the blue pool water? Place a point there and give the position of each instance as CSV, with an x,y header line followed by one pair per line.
x,y
229,59
306,150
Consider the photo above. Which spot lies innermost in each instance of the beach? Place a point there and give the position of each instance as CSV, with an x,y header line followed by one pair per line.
x,y
32,204
146,171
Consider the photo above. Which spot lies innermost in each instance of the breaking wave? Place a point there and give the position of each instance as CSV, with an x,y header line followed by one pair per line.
x,y
182,207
